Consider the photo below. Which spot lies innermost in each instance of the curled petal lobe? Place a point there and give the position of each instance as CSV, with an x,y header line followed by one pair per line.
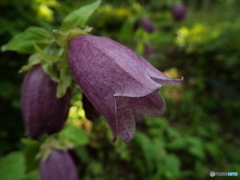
x,y
117,81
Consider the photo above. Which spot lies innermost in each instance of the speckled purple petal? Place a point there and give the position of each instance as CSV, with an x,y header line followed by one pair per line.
x,y
113,78
152,105
58,166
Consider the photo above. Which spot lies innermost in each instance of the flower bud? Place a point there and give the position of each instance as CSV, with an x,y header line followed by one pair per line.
x,y
58,166
43,112
147,25
179,12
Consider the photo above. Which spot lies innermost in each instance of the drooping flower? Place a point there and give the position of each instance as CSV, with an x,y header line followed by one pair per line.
x,y
43,112
179,12
117,81
58,166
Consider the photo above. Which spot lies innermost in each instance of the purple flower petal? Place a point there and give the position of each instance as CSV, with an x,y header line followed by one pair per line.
x,y
58,166
152,105
117,81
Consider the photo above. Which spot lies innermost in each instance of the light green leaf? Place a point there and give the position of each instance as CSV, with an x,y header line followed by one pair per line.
x,y
74,134
32,60
12,166
22,42
63,38
43,54
79,17
50,69
52,143
64,82
126,31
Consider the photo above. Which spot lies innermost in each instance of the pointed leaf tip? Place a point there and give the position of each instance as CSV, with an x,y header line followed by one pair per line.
x,y
79,17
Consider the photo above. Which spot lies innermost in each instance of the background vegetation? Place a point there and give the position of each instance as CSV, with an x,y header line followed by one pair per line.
x,y
198,133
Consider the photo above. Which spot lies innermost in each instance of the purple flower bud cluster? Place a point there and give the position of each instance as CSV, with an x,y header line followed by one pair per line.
x,y
43,112
179,12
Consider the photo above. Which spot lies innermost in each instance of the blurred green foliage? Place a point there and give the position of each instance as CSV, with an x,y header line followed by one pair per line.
x,y
198,133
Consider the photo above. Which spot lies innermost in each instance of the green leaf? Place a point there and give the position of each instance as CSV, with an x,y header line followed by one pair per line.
x,y
196,147
79,17
74,134
46,153
145,144
33,175
126,31
30,152
12,166
64,82
32,60
50,69
43,54
22,42
170,166
51,143
63,38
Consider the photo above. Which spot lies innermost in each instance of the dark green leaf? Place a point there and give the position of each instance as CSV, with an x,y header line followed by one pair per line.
x,y
30,152
12,166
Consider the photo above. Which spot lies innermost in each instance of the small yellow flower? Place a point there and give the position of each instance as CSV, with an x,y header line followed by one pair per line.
x,y
45,12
